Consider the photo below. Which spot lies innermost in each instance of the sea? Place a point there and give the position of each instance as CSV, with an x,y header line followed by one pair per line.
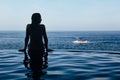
x,y
96,59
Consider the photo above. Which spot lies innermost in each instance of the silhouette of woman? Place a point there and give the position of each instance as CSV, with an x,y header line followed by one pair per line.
x,y
37,42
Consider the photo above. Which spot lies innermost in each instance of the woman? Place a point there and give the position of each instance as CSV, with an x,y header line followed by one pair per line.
x,y
38,42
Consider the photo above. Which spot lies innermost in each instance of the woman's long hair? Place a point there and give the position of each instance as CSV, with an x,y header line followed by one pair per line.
x,y
36,20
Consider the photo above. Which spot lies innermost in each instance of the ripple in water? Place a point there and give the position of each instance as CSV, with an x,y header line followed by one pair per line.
x,y
63,66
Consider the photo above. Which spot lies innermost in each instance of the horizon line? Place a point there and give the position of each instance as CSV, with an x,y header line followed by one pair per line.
x,y
64,30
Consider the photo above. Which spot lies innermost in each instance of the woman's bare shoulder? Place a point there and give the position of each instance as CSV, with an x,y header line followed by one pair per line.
x,y
42,25
28,26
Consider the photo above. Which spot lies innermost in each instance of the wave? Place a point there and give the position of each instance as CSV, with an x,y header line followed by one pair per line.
x,y
95,51
85,51
114,42
63,66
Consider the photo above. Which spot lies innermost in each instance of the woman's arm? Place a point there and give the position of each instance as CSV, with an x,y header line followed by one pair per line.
x,y
26,37
45,38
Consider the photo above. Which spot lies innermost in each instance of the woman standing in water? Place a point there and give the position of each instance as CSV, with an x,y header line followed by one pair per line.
x,y
37,42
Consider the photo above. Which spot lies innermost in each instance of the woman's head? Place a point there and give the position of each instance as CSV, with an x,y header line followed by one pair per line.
x,y
36,18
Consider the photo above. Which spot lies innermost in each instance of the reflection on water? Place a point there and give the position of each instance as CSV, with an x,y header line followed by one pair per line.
x,y
35,64
63,65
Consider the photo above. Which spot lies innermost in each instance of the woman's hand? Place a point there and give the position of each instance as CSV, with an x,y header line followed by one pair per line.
x,y
22,50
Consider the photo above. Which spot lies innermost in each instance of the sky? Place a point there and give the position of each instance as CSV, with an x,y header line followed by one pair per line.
x,y
62,15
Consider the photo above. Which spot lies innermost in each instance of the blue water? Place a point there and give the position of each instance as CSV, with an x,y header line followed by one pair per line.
x,y
97,60
98,40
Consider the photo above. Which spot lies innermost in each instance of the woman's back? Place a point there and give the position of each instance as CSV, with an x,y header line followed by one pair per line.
x,y
36,37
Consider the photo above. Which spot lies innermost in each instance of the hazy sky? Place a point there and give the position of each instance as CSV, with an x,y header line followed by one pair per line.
x,y
59,15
